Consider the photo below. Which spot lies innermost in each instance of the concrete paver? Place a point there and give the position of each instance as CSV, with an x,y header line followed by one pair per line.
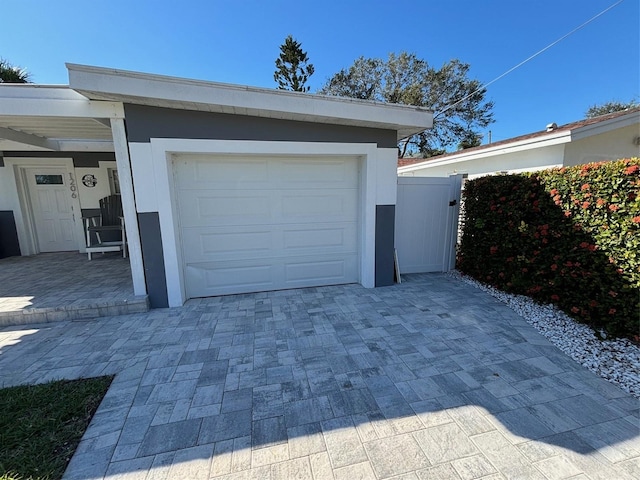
x,y
427,379
53,287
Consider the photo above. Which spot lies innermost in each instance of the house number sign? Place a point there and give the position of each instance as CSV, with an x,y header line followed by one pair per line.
x,y
89,180
72,186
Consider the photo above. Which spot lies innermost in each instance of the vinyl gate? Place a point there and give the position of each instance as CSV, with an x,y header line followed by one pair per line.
x,y
427,211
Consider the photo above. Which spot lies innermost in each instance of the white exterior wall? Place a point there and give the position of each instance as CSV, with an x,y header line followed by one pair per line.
x,y
476,166
90,196
611,145
153,184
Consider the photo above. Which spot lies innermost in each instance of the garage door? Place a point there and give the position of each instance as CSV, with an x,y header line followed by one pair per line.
x,y
257,224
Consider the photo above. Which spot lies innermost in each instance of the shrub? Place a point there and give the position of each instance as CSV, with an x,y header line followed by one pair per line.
x,y
568,236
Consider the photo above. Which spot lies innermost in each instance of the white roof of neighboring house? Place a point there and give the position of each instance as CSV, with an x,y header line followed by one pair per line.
x,y
551,136
76,117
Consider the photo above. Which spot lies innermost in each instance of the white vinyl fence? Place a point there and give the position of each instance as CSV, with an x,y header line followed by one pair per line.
x,y
427,223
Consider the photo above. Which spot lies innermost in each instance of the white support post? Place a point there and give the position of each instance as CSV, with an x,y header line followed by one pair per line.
x,y
123,163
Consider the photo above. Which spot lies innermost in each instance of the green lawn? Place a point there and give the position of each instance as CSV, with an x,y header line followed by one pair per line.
x,y
41,425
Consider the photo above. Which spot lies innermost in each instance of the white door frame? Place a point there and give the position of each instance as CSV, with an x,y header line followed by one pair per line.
x,y
23,209
162,154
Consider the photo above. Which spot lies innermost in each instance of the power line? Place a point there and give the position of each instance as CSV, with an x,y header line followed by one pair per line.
x,y
532,56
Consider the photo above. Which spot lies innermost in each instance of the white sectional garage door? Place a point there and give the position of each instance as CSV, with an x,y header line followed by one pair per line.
x,y
262,223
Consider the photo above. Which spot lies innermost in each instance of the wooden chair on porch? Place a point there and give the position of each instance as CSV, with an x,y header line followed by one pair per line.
x,y
105,232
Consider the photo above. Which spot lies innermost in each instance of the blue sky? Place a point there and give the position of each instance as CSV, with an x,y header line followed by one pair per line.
x,y
237,41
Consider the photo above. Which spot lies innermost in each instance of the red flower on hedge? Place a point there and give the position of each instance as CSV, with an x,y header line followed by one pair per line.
x,y
584,245
636,219
614,207
554,267
631,169
585,187
612,311
555,297
575,309
493,250
553,191
600,202
585,205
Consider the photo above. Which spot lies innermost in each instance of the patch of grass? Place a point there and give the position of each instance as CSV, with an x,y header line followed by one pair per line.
x,y
41,425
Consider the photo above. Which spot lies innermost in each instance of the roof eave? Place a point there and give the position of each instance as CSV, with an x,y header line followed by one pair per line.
x,y
132,87
632,118
555,138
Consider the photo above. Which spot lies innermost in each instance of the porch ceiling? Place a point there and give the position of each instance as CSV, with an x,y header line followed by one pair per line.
x,y
54,118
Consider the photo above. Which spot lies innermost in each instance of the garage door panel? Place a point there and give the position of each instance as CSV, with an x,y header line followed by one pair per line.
x,y
320,271
200,207
342,237
219,279
226,243
317,174
231,172
332,205
267,224
215,243
256,275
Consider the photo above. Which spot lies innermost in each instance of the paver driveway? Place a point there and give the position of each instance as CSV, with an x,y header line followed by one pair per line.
x,y
428,379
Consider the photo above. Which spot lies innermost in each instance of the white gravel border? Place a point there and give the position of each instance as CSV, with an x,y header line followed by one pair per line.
x,y
617,361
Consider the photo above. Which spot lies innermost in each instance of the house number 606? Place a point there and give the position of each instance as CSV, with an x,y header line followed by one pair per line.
x,y
72,186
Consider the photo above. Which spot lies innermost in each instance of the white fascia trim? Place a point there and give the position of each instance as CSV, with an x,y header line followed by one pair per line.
x,y
606,126
529,144
255,101
43,101
162,151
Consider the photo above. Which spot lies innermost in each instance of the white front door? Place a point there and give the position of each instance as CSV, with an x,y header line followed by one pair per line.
x,y
52,209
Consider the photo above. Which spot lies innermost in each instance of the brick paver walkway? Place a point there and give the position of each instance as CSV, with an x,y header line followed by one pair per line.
x,y
428,379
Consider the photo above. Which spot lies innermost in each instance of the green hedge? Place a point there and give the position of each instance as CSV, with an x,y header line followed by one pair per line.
x,y
568,236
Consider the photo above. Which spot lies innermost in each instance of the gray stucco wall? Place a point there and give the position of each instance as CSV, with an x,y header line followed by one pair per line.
x,y
153,259
144,123
385,234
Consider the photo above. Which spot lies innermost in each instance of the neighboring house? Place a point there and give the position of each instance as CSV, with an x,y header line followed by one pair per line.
x,y
225,188
608,137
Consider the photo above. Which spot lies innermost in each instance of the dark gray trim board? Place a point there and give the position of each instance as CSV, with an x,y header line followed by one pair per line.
x,y
385,233
80,159
144,123
153,259
9,245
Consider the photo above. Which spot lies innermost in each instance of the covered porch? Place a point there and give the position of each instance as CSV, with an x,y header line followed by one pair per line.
x,y
66,286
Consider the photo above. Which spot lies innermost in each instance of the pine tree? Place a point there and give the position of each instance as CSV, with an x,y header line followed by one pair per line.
x,y
292,67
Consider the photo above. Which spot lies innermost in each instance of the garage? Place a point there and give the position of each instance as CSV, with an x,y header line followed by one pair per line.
x,y
259,223
236,189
